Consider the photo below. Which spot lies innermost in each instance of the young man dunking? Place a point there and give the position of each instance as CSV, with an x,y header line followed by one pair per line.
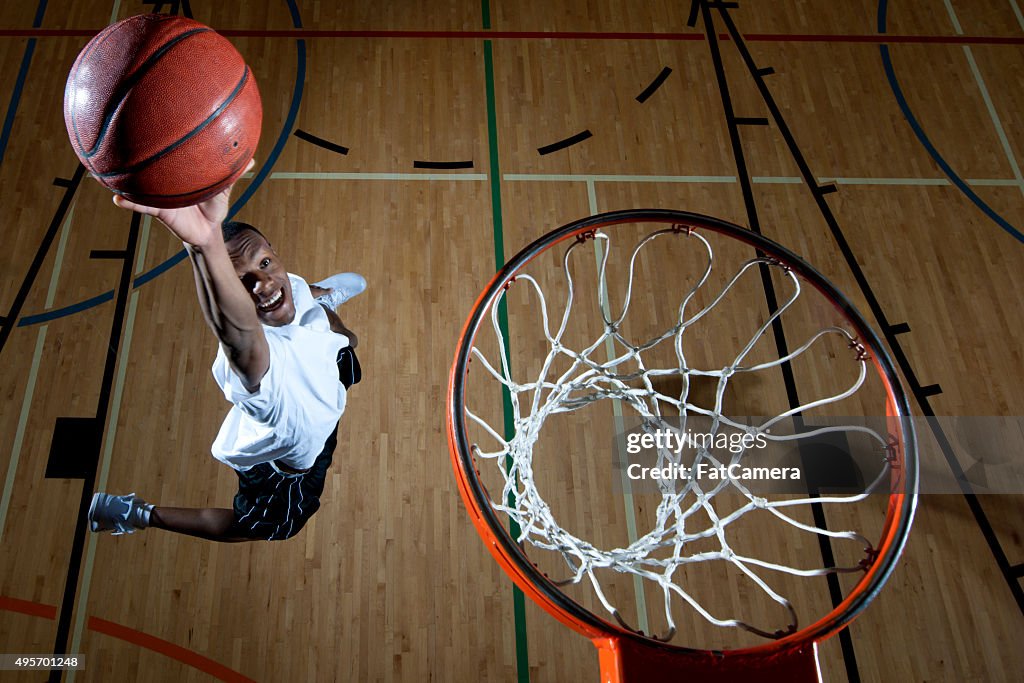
x,y
285,362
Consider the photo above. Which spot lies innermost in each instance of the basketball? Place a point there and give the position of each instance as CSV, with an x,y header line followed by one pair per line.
x,y
162,110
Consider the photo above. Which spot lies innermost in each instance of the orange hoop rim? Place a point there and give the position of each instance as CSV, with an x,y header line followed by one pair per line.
x,y
515,563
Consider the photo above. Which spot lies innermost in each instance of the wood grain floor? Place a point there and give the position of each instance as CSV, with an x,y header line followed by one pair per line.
x,y
390,582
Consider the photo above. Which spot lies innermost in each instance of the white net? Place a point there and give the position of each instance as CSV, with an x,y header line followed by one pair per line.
x,y
687,518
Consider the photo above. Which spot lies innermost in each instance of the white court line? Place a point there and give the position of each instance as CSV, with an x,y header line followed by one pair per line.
x,y
109,437
19,435
776,180
33,376
996,123
627,489
609,178
1016,11
757,180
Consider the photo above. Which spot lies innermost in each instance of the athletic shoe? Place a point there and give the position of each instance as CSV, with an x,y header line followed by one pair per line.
x,y
120,514
342,286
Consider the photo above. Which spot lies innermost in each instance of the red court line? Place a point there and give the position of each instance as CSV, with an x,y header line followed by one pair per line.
x,y
33,609
562,35
168,649
129,635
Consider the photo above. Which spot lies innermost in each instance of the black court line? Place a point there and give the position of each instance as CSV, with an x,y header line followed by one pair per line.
x,y
1017,570
37,263
655,84
817,510
175,5
562,144
91,432
443,165
899,328
984,525
750,121
320,142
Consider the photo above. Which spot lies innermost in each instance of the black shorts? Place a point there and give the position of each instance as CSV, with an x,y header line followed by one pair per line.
x,y
273,505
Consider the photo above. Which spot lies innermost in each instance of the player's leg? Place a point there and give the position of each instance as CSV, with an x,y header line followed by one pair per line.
x,y
128,514
214,524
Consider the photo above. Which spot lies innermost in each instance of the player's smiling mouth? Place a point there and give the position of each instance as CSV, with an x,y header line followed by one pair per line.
x,y
272,303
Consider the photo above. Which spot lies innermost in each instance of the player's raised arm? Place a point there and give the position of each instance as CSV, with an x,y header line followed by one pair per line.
x,y
227,307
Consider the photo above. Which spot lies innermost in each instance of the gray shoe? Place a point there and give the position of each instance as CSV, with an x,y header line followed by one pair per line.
x,y
120,514
342,286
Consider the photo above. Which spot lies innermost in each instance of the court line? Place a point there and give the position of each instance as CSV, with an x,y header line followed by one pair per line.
x,y
109,439
627,486
19,82
518,597
997,124
134,636
33,375
757,75
46,316
827,38
915,126
1016,12
19,434
288,175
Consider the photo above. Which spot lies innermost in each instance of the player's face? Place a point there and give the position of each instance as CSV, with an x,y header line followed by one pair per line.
x,y
264,277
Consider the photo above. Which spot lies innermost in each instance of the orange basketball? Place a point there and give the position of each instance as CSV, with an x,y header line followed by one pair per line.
x,y
162,110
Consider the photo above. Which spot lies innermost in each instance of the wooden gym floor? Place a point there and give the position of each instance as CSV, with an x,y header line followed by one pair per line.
x,y
380,154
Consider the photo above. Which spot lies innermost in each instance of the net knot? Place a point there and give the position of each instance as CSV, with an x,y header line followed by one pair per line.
x,y
892,445
870,555
860,353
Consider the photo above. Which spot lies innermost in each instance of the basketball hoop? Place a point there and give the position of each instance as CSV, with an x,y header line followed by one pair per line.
x,y
567,376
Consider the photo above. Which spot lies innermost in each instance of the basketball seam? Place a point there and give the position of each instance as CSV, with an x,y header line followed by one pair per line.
x,y
191,134
125,88
72,79
139,195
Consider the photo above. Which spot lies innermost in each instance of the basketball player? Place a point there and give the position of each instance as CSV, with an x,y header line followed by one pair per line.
x,y
285,362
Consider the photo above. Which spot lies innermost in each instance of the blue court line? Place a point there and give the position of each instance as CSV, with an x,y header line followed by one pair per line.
x,y
890,74
19,82
261,175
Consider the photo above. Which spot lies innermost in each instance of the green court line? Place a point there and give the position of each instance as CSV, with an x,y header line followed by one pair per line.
x,y
518,599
